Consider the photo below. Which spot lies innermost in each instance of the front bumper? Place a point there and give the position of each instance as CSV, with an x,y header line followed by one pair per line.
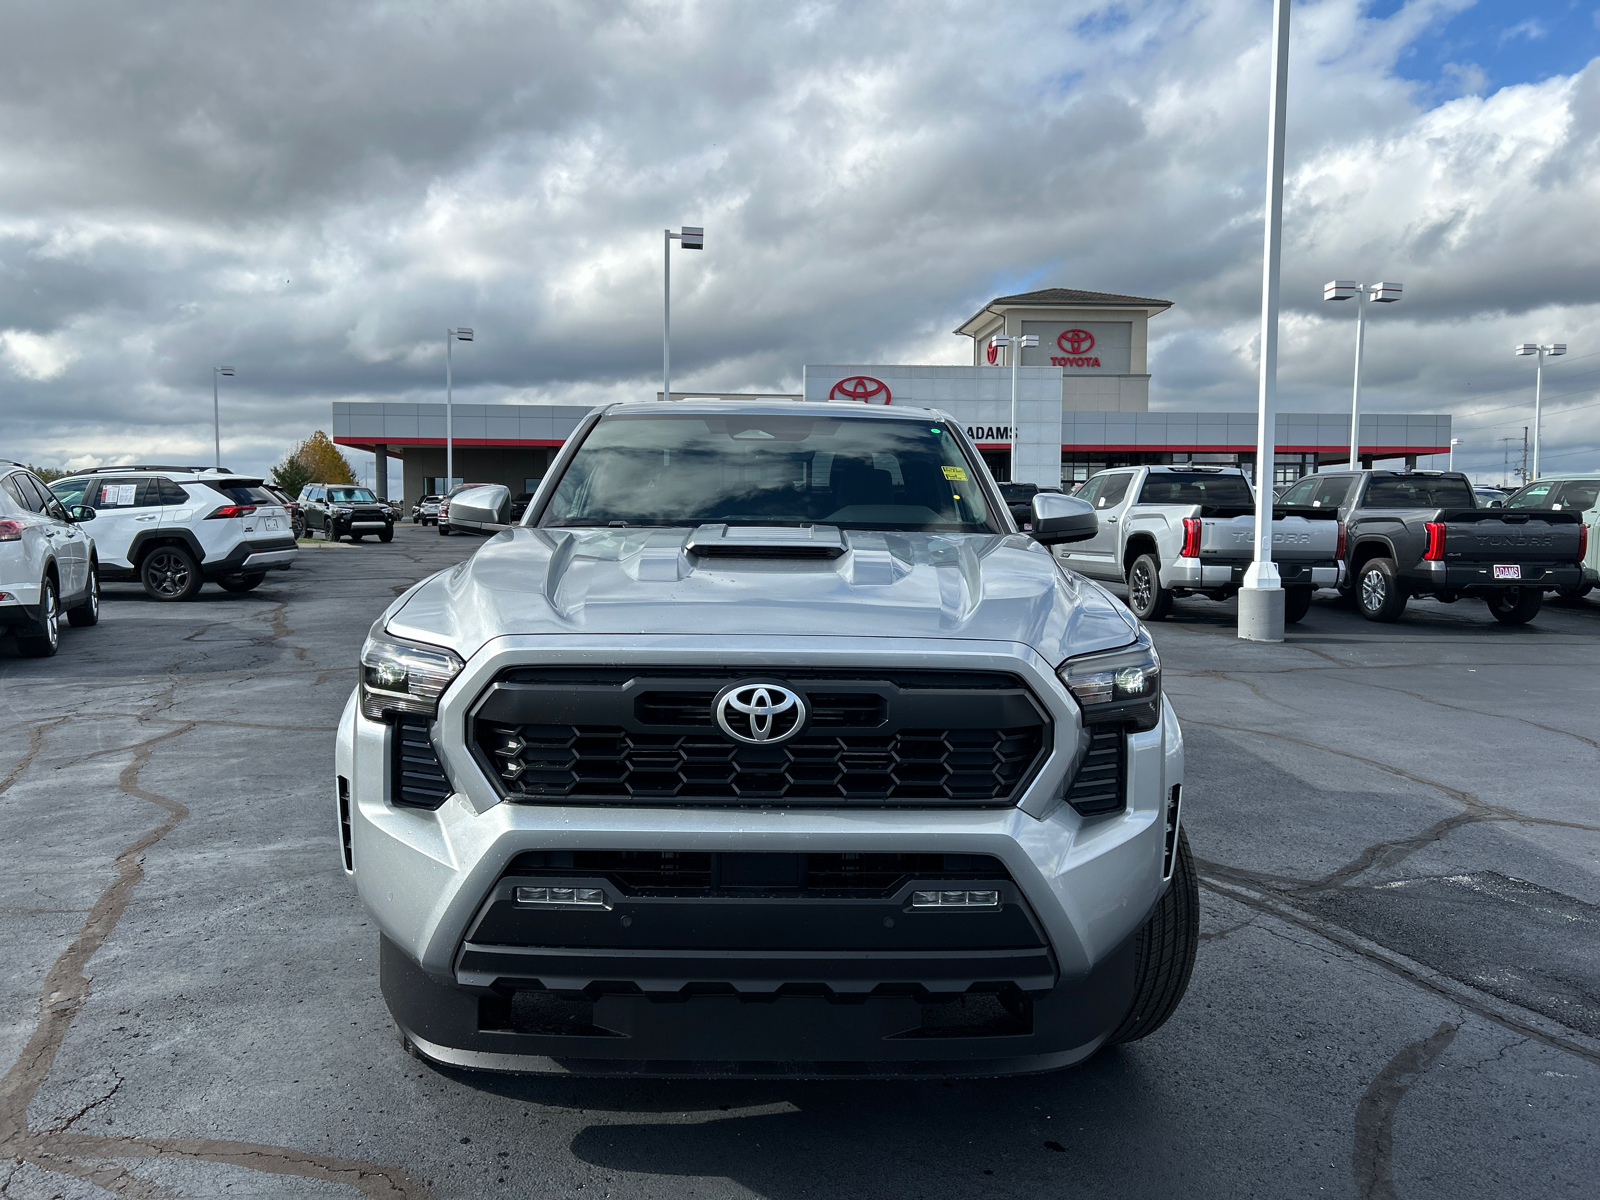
x,y
1478,578
1205,575
1088,883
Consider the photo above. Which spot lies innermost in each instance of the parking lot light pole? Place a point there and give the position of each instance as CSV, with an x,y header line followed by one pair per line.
x,y
462,334
1454,442
216,411
1377,293
1018,345
1554,350
691,237
1261,597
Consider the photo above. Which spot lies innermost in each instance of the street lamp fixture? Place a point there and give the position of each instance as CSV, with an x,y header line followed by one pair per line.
x,y
1018,344
216,414
1375,293
461,334
1454,442
1554,350
691,237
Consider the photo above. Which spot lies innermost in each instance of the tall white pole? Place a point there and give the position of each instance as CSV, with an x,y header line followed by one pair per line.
x,y
216,419
666,314
1261,598
1016,353
1355,391
449,425
1538,396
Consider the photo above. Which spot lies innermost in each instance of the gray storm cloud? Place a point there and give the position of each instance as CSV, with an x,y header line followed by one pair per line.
x,y
311,193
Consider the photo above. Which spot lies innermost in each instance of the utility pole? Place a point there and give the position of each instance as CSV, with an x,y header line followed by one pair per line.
x,y
1505,461
1522,472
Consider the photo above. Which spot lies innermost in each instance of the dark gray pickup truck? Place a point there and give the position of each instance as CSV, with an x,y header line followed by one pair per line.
x,y
1421,533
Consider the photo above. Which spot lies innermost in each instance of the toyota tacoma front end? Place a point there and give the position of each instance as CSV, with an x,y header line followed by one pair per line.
x,y
765,745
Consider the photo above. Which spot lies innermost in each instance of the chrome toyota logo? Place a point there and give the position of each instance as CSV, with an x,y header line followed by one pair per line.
x,y
759,713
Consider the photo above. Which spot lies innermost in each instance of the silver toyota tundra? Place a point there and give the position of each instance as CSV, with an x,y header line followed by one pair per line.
x,y
765,745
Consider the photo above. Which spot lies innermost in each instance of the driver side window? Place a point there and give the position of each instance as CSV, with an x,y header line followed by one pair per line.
x,y
1300,493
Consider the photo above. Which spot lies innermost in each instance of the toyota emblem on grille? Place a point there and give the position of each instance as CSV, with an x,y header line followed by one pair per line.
x,y
759,713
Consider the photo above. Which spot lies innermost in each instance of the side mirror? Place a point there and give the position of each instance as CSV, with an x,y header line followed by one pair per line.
x,y
81,513
482,506
1058,519
1497,504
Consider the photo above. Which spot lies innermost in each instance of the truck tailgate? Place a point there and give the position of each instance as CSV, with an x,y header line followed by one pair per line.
x,y
1497,535
1303,535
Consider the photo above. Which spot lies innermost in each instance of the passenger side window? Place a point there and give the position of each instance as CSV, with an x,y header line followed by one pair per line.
x,y
1578,495
118,492
44,497
1091,489
1112,491
17,485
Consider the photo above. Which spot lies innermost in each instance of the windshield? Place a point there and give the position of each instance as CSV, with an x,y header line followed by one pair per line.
x,y
855,472
350,495
1166,487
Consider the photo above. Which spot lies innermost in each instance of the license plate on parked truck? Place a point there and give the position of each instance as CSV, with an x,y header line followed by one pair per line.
x,y
1513,571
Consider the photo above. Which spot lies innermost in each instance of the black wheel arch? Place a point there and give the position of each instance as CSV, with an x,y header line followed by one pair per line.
x,y
1137,545
150,539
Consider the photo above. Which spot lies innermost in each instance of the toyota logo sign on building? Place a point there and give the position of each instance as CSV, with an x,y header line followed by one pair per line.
x,y
861,387
759,713
1076,341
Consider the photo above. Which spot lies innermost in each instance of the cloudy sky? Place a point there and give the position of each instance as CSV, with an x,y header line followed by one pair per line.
x,y
311,192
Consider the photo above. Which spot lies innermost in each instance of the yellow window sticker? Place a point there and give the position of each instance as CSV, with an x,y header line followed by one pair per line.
x,y
957,473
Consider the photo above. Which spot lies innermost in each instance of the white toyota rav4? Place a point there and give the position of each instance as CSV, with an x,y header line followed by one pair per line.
x,y
47,564
174,528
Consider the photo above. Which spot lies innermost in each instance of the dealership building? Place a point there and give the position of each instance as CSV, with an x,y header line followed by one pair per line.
x,y
1083,404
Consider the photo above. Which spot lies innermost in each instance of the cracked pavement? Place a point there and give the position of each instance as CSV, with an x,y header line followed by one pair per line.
x,y
1397,994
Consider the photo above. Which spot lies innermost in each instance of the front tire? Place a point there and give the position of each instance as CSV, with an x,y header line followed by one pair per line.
x,y
1379,595
1516,606
1146,597
88,613
170,573
1164,950
1296,604
387,535
47,639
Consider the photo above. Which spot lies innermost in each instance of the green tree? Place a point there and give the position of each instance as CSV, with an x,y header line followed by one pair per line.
x,y
315,460
48,474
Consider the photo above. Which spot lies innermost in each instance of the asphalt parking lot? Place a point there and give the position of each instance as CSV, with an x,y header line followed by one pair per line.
x,y
1397,995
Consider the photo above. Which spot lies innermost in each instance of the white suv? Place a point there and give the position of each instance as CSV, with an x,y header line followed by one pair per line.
x,y
47,564
174,528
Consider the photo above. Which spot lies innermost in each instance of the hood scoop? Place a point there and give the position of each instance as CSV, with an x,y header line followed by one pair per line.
x,y
763,541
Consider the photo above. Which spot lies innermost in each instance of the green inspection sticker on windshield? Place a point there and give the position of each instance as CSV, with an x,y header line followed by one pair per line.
x,y
959,474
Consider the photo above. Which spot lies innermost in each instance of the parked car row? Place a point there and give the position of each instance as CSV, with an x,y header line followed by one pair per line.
x,y
1380,537
170,529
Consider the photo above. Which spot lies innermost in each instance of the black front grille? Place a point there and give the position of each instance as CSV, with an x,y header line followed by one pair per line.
x,y
620,736
1102,779
418,779
695,873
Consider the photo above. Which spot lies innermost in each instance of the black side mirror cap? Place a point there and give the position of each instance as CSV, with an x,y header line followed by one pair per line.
x,y
81,513
1058,519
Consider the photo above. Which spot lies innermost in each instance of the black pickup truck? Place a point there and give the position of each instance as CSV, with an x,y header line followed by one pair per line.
x,y
1421,533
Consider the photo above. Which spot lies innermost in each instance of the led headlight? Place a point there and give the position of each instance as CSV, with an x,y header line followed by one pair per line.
x,y
398,676
1120,687
343,512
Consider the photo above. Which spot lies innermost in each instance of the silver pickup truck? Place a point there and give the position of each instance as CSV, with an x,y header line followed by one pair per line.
x,y
764,744
1188,530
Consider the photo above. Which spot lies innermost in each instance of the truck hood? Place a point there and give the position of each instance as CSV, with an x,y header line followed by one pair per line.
x,y
552,582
